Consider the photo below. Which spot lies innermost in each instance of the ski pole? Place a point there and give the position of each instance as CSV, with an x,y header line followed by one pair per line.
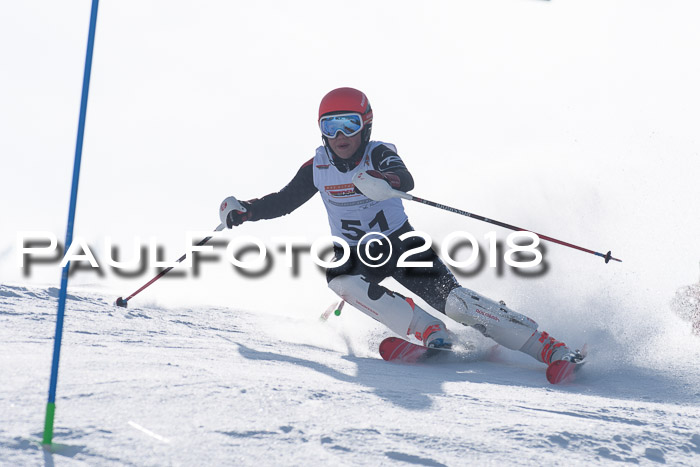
x,y
333,308
400,194
122,302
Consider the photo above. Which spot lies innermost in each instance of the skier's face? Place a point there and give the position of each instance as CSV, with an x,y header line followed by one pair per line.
x,y
343,146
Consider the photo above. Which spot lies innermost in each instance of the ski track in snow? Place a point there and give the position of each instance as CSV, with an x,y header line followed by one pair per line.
x,y
219,386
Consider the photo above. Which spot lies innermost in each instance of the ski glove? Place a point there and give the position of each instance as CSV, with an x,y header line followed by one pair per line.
x,y
390,178
236,218
376,185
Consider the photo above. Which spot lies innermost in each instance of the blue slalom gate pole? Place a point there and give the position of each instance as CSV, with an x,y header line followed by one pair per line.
x,y
51,404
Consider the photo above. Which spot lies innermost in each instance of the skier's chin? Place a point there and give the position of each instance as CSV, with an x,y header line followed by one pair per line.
x,y
344,152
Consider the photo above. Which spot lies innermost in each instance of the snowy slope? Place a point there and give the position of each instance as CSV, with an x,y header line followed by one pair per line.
x,y
222,386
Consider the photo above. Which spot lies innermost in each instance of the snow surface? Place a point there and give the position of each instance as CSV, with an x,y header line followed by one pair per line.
x,y
220,386
575,119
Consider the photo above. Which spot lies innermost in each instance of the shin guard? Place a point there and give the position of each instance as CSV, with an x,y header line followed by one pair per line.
x,y
492,319
398,313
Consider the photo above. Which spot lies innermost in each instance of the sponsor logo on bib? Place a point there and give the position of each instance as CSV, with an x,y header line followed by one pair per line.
x,y
340,191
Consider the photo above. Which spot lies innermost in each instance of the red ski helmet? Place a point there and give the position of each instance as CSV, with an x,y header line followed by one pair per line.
x,y
346,100
343,100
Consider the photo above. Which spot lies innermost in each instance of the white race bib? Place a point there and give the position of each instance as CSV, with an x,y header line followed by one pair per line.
x,y
352,215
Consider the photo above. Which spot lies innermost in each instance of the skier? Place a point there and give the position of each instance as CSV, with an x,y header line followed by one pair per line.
x,y
347,156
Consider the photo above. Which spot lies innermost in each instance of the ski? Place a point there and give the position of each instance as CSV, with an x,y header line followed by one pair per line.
x,y
395,349
563,371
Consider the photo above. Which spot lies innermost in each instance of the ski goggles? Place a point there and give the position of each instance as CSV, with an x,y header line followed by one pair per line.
x,y
350,124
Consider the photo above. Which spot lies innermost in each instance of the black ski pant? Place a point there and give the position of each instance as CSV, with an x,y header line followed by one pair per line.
x,y
431,283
